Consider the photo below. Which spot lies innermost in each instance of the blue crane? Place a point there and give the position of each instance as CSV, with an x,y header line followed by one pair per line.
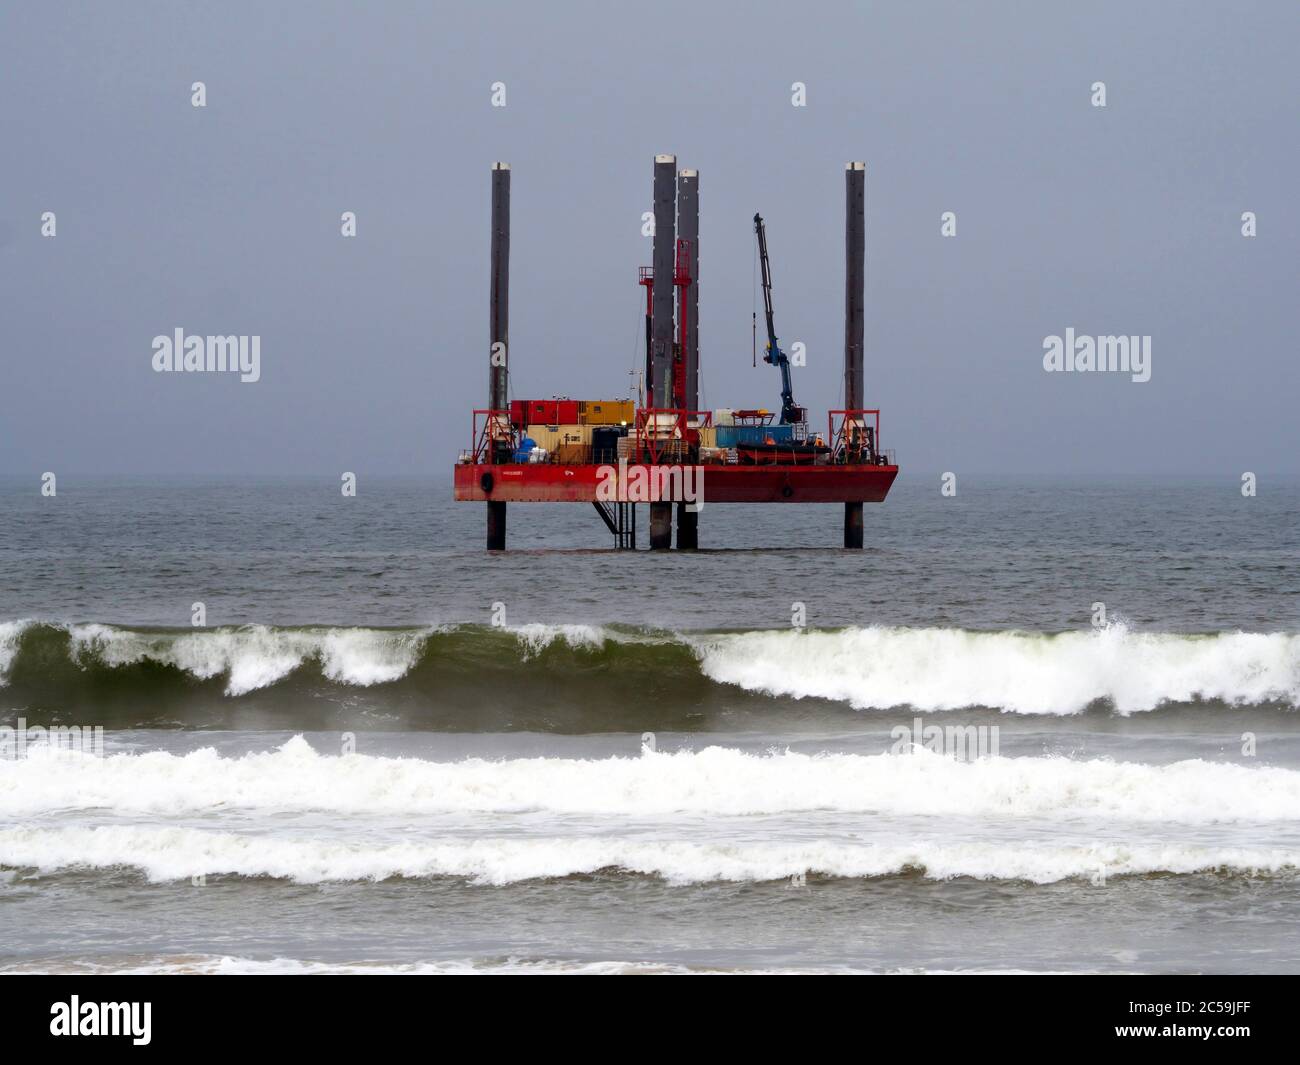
x,y
791,414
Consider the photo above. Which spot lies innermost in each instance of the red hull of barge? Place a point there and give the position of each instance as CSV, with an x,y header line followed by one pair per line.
x,y
551,483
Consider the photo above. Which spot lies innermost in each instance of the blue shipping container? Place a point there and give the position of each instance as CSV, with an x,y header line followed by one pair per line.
x,y
735,435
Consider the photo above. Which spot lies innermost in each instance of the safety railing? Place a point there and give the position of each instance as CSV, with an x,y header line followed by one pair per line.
x,y
666,433
854,436
495,439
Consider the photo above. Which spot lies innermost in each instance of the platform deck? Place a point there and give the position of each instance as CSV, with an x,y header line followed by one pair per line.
x,y
556,483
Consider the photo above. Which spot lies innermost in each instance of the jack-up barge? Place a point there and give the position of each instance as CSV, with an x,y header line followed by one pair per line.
x,y
668,453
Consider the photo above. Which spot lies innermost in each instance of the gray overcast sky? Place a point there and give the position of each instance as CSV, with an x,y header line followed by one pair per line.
x,y
226,220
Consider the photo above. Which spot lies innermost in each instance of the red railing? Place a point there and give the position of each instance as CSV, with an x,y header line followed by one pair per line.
x,y
667,432
496,428
658,429
853,441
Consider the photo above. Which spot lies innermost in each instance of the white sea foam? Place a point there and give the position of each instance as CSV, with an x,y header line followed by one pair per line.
x,y
232,965
10,634
165,854
257,656
713,781
1029,673
535,637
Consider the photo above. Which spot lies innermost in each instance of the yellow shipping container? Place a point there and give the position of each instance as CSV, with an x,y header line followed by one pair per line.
x,y
606,411
552,436
541,436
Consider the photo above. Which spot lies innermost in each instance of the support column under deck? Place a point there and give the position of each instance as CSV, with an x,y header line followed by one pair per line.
x,y
661,526
496,526
688,528
852,524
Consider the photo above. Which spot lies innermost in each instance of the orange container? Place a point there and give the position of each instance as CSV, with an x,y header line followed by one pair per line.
x,y
605,412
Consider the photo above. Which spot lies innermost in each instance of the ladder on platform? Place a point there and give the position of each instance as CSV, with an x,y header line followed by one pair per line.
x,y
619,519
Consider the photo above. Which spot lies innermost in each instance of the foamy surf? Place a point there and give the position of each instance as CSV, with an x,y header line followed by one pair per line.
x,y
256,656
715,781
535,637
1020,672
170,854
228,965
10,634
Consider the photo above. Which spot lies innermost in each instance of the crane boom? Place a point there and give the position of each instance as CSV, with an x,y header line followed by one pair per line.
x,y
791,413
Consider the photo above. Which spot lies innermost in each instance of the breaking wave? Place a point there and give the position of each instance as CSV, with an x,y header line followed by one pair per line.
x,y
470,676
1027,673
228,965
168,854
713,782
687,817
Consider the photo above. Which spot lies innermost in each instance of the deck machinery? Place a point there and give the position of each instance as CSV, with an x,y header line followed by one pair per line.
x,y
668,457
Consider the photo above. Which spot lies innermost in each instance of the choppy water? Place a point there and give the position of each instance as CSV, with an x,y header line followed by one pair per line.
x,y
387,749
